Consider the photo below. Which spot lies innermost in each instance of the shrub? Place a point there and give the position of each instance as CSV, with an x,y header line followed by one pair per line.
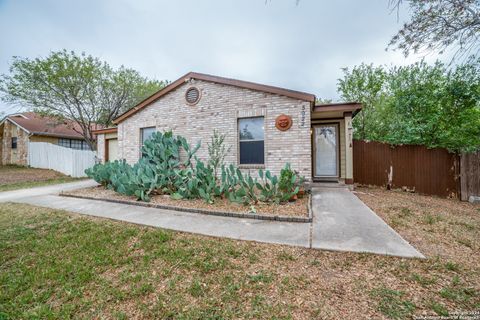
x,y
161,170
290,181
217,151
280,190
100,173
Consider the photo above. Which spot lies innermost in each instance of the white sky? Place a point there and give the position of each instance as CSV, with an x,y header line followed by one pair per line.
x,y
301,47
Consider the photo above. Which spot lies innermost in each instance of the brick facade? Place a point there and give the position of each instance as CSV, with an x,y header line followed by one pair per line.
x,y
220,107
100,147
18,156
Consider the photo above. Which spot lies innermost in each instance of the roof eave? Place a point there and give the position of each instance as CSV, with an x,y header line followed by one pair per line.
x,y
57,135
346,107
12,121
105,130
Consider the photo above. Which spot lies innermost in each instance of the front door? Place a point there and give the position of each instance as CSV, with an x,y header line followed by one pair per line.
x,y
325,139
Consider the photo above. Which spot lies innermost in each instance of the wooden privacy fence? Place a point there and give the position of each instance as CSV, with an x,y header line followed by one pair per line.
x,y
427,171
470,175
65,160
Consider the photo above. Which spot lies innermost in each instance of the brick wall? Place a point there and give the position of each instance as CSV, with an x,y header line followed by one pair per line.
x,y
219,108
101,147
17,156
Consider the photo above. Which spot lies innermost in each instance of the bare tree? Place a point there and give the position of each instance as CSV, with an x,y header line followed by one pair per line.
x,y
437,25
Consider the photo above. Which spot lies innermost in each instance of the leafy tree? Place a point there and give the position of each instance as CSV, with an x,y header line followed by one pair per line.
x,y
439,24
81,88
434,106
364,84
420,104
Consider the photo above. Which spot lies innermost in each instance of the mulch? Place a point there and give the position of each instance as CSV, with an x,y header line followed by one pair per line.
x,y
298,208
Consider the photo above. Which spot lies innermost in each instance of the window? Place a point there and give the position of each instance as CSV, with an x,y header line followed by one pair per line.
x,y
73,143
251,133
64,142
14,142
146,133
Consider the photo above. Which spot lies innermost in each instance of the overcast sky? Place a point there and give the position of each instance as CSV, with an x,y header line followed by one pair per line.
x,y
301,47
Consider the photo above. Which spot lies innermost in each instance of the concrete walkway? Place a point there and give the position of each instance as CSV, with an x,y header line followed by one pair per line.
x,y
39,191
341,221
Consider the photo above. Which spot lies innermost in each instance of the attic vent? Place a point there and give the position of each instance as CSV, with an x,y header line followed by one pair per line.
x,y
192,95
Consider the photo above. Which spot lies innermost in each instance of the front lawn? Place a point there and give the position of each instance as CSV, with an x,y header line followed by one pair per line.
x,y
60,265
17,177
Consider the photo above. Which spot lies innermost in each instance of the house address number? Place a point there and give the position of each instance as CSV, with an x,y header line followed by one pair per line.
x,y
303,115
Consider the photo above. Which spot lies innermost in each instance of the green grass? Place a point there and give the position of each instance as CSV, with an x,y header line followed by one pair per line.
x,y
439,308
405,212
422,280
58,266
393,304
31,184
452,266
431,219
458,292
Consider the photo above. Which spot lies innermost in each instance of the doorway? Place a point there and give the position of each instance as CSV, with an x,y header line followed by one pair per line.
x,y
326,160
111,150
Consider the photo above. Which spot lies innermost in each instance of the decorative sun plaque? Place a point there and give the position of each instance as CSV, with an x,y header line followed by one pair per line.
x,y
283,122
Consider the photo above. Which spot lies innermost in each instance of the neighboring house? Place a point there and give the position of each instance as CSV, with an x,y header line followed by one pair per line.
x,y
17,130
266,126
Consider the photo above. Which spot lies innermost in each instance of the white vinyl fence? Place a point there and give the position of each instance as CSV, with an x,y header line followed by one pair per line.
x,y
65,160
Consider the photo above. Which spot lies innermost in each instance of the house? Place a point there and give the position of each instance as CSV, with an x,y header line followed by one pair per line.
x,y
266,126
17,130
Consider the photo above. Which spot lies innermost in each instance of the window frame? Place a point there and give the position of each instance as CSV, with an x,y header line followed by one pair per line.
x,y
14,143
250,165
141,141
62,142
70,143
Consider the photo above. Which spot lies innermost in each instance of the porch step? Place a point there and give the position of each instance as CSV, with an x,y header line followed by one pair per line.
x,y
311,185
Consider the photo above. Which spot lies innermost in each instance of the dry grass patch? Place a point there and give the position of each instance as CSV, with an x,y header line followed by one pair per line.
x,y
296,208
17,177
446,228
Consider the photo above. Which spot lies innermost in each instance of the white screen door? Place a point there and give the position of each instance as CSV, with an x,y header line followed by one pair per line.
x,y
326,150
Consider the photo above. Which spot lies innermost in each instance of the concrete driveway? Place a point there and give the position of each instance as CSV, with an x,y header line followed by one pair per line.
x,y
340,221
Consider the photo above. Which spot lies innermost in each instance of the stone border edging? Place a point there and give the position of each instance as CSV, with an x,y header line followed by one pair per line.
x,y
209,212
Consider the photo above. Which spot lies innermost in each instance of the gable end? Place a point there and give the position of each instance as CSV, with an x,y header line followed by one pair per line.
x,y
205,77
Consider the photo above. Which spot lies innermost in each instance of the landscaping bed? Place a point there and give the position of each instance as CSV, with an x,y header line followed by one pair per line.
x,y
163,178
298,208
